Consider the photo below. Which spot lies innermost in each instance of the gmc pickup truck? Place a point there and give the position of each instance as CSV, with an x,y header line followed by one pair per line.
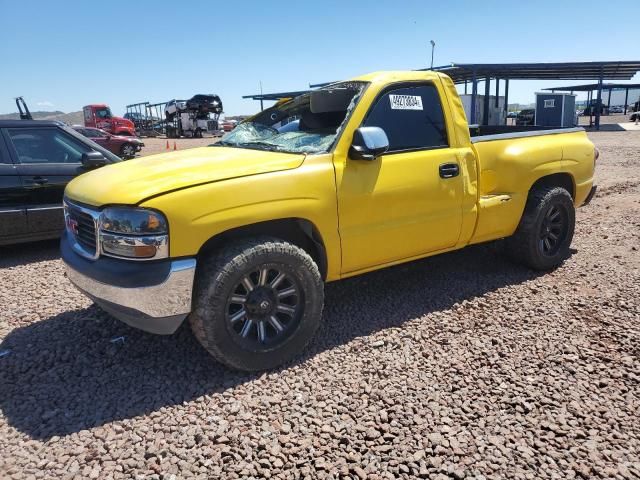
x,y
240,236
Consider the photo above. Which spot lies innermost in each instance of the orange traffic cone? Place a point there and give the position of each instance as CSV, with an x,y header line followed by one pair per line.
x,y
174,146
167,144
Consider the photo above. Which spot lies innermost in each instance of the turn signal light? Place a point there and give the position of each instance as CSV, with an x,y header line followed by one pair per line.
x,y
132,251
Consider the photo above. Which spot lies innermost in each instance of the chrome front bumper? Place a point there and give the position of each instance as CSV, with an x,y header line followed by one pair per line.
x,y
158,308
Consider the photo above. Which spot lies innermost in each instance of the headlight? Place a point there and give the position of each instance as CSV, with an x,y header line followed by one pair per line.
x,y
136,233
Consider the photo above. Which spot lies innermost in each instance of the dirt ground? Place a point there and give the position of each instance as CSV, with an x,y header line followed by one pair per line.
x,y
159,145
459,366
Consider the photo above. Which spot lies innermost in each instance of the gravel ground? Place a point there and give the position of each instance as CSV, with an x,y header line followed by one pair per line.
x,y
459,366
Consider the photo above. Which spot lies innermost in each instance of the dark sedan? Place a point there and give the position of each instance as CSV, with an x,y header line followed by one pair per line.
x,y
125,147
37,160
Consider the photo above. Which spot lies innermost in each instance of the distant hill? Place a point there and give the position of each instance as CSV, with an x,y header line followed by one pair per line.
x,y
72,118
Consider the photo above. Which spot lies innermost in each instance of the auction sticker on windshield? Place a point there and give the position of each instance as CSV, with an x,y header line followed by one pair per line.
x,y
405,102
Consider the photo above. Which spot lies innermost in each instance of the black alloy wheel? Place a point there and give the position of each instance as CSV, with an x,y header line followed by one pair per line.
x,y
553,230
264,307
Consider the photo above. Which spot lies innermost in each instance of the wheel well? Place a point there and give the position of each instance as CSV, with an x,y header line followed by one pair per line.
x,y
563,180
298,231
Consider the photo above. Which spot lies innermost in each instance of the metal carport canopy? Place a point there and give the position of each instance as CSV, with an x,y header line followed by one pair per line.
x,y
274,96
473,72
593,86
615,70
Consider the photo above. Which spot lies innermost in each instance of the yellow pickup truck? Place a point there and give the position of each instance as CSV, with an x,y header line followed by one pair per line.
x,y
240,236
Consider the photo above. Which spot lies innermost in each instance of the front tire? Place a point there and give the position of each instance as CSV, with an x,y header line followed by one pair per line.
x,y
257,304
127,151
545,232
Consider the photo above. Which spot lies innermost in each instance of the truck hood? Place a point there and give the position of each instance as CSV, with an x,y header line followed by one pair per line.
x,y
130,182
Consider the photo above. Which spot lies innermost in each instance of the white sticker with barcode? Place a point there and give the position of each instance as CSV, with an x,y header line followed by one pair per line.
x,y
405,102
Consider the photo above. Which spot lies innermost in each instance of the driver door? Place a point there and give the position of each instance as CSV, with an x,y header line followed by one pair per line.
x,y
403,204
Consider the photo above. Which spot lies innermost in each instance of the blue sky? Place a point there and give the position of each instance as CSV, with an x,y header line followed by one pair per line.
x,y
63,55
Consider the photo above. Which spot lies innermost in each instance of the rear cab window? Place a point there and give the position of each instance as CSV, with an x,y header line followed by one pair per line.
x,y
411,116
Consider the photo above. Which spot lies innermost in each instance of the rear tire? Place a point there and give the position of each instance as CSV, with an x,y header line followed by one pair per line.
x,y
545,232
257,303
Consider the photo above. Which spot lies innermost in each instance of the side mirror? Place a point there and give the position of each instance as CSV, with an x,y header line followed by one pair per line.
x,y
368,143
93,160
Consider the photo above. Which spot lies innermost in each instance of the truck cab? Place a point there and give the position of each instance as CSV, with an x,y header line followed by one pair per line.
x,y
100,116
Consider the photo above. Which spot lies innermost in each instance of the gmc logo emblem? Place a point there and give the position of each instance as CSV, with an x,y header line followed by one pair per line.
x,y
72,225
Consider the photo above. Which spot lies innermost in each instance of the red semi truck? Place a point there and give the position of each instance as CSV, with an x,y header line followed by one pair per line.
x,y
99,116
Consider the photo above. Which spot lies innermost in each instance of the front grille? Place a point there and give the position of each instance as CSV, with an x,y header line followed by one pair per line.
x,y
86,230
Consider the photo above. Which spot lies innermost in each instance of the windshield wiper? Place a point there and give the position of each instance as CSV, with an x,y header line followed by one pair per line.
x,y
269,146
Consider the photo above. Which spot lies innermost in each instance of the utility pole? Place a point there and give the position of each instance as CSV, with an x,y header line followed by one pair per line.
x,y
433,47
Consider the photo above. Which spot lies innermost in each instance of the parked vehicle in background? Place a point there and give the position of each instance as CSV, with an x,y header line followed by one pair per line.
x,y
228,125
634,116
616,109
123,146
37,160
512,114
99,116
526,117
193,117
382,169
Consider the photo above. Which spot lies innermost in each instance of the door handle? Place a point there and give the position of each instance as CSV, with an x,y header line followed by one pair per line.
x,y
449,170
38,181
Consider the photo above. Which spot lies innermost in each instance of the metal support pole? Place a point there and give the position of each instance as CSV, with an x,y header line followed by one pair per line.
x,y
487,90
433,47
261,105
599,100
474,97
506,99
590,106
609,101
626,99
497,92
465,87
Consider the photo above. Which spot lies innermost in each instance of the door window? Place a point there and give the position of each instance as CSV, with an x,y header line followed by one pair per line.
x,y
411,117
93,133
46,145
4,158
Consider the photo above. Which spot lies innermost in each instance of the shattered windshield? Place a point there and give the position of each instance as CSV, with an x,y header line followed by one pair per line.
x,y
308,123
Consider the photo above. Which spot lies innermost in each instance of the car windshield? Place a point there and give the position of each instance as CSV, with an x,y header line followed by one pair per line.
x,y
308,123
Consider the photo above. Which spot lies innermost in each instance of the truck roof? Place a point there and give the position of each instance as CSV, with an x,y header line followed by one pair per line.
x,y
29,123
387,76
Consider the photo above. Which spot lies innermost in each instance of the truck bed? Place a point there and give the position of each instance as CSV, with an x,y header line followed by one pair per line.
x,y
482,133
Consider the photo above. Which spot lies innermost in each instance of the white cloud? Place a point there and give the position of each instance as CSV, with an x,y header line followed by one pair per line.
x,y
45,103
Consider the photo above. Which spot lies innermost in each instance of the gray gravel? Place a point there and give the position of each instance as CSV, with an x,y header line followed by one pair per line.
x,y
459,366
